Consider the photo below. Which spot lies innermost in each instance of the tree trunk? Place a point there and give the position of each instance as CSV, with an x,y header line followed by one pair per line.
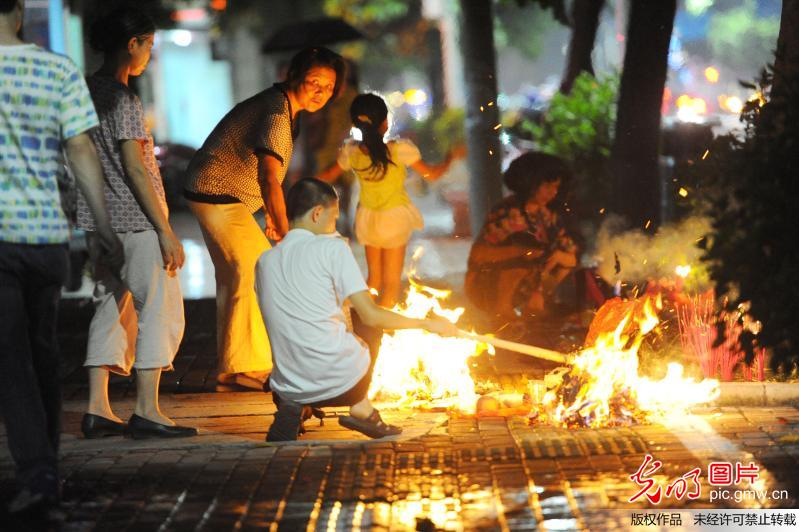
x,y
435,68
584,22
482,116
634,157
786,65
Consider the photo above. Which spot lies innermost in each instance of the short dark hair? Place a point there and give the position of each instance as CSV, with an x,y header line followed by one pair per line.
x,y
317,56
7,6
306,194
530,170
112,32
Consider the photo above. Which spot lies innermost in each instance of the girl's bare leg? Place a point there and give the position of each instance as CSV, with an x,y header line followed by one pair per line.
x,y
374,263
393,260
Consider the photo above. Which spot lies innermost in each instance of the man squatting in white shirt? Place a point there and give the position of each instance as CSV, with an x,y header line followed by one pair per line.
x,y
302,284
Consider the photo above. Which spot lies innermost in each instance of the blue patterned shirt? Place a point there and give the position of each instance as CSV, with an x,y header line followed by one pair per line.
x,y
43,101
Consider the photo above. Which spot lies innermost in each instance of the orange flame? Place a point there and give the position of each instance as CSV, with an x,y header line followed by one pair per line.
x,y
603,388
416,368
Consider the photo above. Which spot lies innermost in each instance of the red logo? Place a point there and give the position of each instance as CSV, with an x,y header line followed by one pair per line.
x,y
688,485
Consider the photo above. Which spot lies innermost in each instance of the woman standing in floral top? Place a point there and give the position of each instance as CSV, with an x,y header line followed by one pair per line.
x,y
523,252
138,320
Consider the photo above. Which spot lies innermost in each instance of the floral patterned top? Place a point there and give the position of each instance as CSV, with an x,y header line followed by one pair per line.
x,y
121,118
509,223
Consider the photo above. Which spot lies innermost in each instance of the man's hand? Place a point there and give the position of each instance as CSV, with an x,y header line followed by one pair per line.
x,y
171,250
441,326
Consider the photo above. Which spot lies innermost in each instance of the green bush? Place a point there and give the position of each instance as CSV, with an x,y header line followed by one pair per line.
x,y
578,127
749,182
439,133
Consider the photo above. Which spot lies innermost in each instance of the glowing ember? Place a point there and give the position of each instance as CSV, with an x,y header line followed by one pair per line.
x,y
603,387
683,270
418,368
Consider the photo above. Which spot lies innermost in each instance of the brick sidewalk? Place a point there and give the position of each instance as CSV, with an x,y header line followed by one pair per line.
x,y
444,472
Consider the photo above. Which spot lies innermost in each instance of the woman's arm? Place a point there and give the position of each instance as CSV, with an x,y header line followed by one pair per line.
x,y
484,254
330,174
142,188
82,157
272,193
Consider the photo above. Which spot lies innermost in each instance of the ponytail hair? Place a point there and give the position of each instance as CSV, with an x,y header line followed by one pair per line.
x,y
112,32
368,112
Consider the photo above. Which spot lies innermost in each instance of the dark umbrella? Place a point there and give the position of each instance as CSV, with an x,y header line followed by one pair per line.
x,y
318,32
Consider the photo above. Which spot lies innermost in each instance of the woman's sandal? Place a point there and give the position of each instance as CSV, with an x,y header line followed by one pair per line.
x,y
373,426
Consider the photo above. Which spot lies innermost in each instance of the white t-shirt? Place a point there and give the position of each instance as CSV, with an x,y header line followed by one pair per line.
x,y
301,286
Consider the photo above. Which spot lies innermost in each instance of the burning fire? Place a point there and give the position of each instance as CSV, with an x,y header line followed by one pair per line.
x,y
417,368
603,387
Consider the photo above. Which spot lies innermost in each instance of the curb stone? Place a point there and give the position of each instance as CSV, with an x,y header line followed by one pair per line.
x,y
732,393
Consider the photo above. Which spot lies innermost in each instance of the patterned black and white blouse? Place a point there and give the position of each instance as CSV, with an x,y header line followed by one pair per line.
x,y
225,169
121,118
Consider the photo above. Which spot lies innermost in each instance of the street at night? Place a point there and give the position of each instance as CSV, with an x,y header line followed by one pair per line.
x,y
490,265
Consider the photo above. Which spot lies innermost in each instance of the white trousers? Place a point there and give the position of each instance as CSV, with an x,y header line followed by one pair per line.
x,y
138,319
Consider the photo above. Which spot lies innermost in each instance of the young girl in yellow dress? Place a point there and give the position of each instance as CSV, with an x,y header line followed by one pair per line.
x,y
386,217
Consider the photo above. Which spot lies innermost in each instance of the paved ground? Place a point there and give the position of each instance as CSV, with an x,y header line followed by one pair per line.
x,y
444,472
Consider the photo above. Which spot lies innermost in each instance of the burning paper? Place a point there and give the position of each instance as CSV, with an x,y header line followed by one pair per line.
x,y
417,368
603,387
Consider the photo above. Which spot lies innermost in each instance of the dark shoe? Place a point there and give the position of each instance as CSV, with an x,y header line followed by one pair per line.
x,y
373,426
140,428
29,502
94,426
288,420
38,497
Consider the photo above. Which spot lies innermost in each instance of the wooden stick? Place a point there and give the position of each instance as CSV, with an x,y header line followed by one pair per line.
x,y
525,349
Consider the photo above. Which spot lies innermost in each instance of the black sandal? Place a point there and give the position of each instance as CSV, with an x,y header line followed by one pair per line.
x,y
373,426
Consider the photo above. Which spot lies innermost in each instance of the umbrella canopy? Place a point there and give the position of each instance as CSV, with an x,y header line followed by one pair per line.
x,y
318,32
